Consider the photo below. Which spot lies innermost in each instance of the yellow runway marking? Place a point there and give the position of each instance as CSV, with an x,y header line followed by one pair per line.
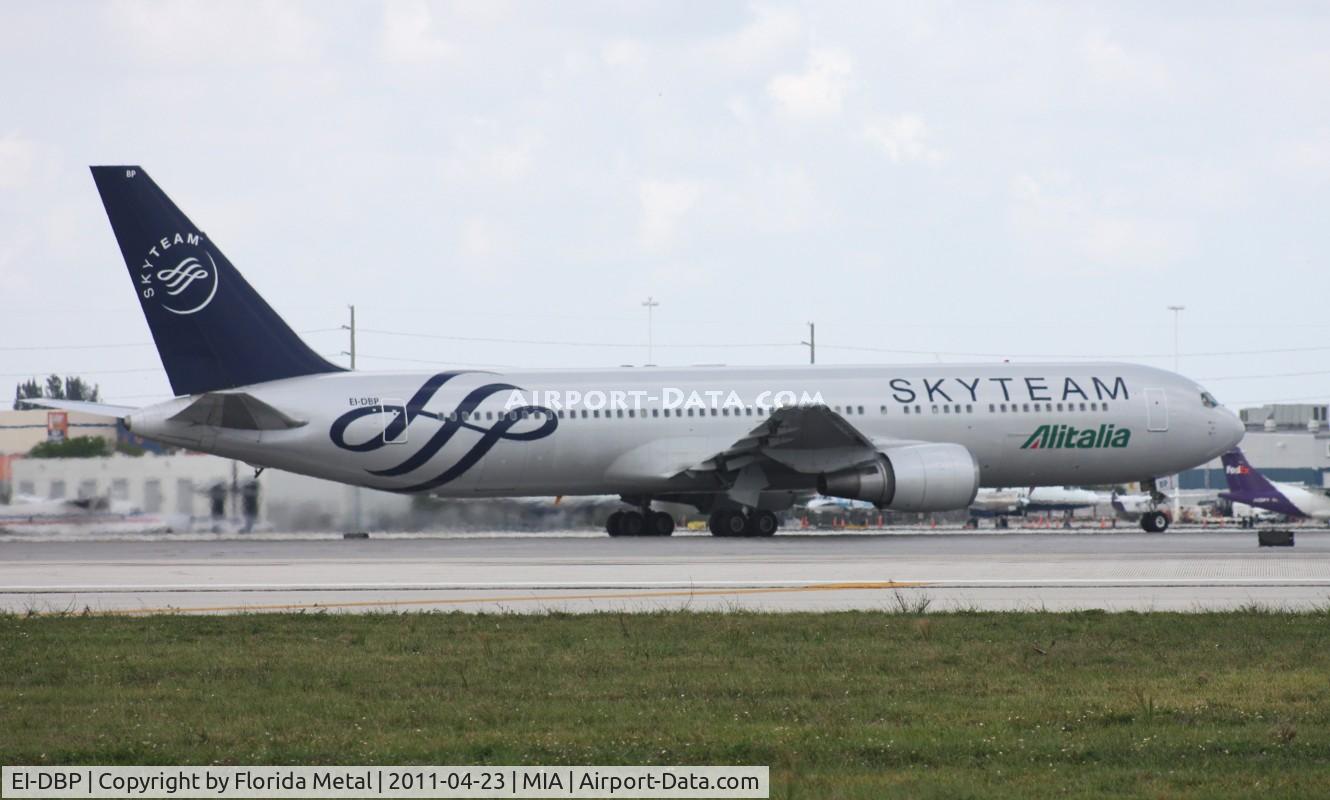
x,y
526,598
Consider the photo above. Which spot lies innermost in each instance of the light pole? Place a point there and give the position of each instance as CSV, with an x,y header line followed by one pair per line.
x,y
650,304
1177,479
356,515
811,344
1177,321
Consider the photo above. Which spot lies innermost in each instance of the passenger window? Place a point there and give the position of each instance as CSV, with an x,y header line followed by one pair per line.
x,y
906,409
969,409
918,409
1082,406
1026,406
655,412
1104,407
945,409
991,409
934,409
1004,408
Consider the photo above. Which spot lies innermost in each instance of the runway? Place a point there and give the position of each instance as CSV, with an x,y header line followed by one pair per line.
x,y
1183,571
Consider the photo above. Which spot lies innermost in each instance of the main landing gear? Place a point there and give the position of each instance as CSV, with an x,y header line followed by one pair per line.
x,y
730,522
640,523
1154,522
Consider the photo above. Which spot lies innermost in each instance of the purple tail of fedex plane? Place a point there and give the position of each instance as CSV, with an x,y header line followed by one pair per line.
x,y
1246,485
1243,479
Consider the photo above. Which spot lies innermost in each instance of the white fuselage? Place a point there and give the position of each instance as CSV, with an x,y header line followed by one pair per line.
x,y
1312,504
1026,425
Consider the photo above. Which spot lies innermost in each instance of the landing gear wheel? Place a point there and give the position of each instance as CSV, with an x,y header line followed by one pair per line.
x,y
659,524
727,523
762,523
613,525
1154,522
632,524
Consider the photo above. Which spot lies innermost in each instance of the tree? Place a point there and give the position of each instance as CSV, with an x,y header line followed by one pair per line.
x,y
75,447
71,387
29,388
78,389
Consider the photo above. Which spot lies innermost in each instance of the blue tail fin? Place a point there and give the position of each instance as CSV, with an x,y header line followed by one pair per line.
x,y
212,330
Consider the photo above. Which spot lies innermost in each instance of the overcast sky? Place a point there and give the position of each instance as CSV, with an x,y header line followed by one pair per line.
x,y
992,179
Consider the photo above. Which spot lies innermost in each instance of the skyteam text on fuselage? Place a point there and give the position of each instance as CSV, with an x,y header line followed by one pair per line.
x,y
737,442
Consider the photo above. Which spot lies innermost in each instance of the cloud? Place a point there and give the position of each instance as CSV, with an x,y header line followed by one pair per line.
x,y
772,31
904,138
624,53
664,203
478,239
819,90
409,35
18,162
1112,64
1067,229
196,32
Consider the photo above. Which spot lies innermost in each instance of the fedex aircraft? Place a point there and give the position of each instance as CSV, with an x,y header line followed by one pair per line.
x,y
737,443
1246,485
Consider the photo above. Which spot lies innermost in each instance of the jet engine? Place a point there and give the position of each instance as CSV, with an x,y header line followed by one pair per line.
x,y
915,477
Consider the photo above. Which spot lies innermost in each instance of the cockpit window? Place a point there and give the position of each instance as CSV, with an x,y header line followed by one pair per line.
x,y
1208,400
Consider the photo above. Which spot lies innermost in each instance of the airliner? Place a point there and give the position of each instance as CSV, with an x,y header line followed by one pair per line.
x,y
737,443
1247,486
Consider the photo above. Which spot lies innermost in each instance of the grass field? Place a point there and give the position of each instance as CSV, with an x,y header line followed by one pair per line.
x,y
850,705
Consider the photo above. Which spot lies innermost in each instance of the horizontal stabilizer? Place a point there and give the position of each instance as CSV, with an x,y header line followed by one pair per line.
x,y
100,409
238,411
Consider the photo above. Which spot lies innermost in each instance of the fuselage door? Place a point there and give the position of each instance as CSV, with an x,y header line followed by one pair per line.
x,y
394,420
1156,409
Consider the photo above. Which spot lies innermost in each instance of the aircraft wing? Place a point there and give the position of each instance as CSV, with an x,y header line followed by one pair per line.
x,y
100,409
806,439
802,438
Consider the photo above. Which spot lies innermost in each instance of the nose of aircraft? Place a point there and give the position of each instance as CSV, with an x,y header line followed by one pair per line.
x,y
1231,428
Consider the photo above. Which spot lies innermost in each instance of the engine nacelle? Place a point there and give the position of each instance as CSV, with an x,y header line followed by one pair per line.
x,y
914,477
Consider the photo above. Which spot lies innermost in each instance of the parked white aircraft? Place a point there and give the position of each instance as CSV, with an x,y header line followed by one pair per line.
x,y
31,515
738,443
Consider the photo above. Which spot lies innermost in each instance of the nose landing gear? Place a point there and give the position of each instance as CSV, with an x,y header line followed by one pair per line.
x,y
1154,522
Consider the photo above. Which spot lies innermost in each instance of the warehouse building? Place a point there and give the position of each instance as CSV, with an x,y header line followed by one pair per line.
x,y
1286,443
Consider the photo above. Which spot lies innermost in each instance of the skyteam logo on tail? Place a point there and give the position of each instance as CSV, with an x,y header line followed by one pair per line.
x,y
179,273
1067,437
